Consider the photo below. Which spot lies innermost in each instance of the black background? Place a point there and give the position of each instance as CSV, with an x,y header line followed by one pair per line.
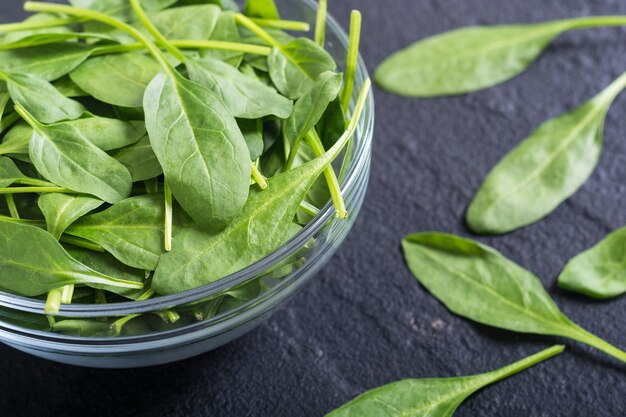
x,y
364,321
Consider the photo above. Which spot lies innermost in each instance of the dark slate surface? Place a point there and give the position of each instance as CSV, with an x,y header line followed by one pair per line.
x,y
364,321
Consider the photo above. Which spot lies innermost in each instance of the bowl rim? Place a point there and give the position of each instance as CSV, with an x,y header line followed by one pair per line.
x,y
327,214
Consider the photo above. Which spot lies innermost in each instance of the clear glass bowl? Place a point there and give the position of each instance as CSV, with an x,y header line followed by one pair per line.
x,y
306,254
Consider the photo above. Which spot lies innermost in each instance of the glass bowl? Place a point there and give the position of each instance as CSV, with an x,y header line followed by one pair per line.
x,y
280,275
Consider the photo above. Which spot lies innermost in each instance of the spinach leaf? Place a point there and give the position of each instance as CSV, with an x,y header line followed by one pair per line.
x,y
200,147
225,30
331,125
252,131
545,169
37,39
310,108
261,8
187,22
33,263
71,161
265,223
432,397
49,62
41,99
120,8
69,88
118,79
139,159
9,172
599,272
16,140
83,327
131,230
294,67
479,283
466,59
61,210
244,96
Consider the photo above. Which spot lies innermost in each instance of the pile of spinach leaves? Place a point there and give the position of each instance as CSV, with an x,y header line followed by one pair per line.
x,y
152,147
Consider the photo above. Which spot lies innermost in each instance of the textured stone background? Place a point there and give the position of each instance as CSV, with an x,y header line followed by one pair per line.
x,y
364,321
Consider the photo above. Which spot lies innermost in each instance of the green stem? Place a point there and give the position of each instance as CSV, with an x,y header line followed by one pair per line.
x,y
53,301
36,223
352,61
27,190
523,364
257,30
100,297
168,217
292,155
68,293
329,173
594,21
294,25
17,27
258,177
320,22
190,44
33,6
614,89
152,185
158,36
309,208
12,207
34,182
116,326
81,243
592,340
8,120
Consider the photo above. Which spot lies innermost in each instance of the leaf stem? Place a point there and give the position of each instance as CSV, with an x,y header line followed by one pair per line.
x,y
523,364
158,36
12,207
257,30
320,22
294,25
259,178
35,182
53,301
352,60
27,190
329,173
168,217
17,27
309,208
190,44
588,22
81,243
583,336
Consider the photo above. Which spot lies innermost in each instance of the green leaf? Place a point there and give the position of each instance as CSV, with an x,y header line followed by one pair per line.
x,y
61,210
49,62
139,159
200,147
225,30
66,158
479,283
16,140
294,67
131,230
466,59
252,131
431,397
244,96
33,263
599,272
310,108
261,8
544,170
37,39
69,88
199,257
120,8
9,172
332,124
188,22
41,99
118,79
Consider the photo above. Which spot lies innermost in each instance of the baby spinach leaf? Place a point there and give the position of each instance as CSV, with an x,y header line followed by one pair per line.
x,y
331,125
466,59
200,147
245,97
265,223
33,263
118,79
49,62
479,283
41,99
16,140
9,172
66,158
261,8
83,327
69,88
37,39
545,169
310,108
139,159
252,131
61,210
225,30
120,8
432,397
599,272
187,22
131,230
294,67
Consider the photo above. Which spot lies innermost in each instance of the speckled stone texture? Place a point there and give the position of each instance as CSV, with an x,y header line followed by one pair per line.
x,y
364,321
